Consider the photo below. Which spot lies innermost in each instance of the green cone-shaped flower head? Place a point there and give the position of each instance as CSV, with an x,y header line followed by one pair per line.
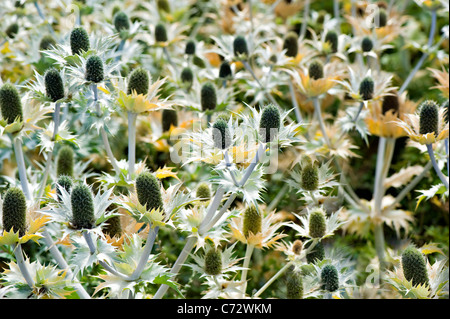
x,y
187,76
366,44
15,211
414,266
225,70
113,227
203,191
208,97
138,82
47,42
190,47
290,44
381,18
429,117
390,102
148,191
54,86
12,30
213,262
330,278
317,223
169,118
294,285
332,38
310,176
10,103
317,253
270,123
240,46
65,182
315,70
121,21
94,69
252,221
65,161
366,88
82,201
79,41
163,5
160,33
221,134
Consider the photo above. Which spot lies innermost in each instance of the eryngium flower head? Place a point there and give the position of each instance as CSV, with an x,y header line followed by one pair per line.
x,y
121,21
138,82
317,253
366,44
315,70
317,223
163,5
65,182
213,262
252,221
297,247
290,44
169,118
160,33
429,118
414,266
10,103
79,40
240,46
94,69
390,102
208,97
381,18
203,191
332,38
225,70
113,227
221,134
445,107
186,75
366,88
190,47
270,123
82,207
310,177
65,161
330,278
47,42
12,30
54,86
294,285
148,191
14,211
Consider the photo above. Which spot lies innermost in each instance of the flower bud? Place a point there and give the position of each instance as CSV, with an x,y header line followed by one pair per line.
x,y
317,223
148,191
190,47
366,44
252,221
65,161
94,69
381,18
221,134
330,278
270,123
187,76
297,247
10,103
213,262
82,207
291,44
15,211
225,70
294,285
315,70
160,33
121,21
47,42
79,41
203,191
428,118
65,182
310,176
332,38
138,82
414,266
390,102
54,86
317,253
208,97
12,30
366,88
169,118
113,227
163,5
240,46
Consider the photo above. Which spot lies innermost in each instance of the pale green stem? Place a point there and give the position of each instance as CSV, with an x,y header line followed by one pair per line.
x,y
21,167
305,19
337,15
22,266
436,167
277,198
248,256
361,105
131,143
146,253
318,113
446,151
298,115
272,280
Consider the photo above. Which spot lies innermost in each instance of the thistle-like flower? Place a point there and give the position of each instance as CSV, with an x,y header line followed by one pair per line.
x,y
294,284
94,69
148,191
414,266
138,82
270,123
208,97
14,211
79,40
221,134
65,161
203,191
290,44
160,33
82,203
54,86
240,47
190,47
169,119
329,278
121,21
10,103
